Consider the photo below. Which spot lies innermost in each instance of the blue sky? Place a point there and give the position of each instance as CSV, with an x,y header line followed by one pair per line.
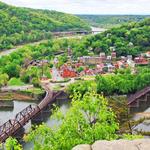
x,y
88,6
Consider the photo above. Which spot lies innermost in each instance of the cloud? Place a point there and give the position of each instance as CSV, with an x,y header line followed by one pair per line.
x,y
88,6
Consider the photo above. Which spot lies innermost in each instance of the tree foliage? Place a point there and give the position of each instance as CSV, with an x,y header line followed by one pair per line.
x,y
24,25
87,120
109,21
12,144
123,83
128,39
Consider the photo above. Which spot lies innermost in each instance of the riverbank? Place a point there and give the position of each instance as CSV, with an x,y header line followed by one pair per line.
x,y
6,98
20,96
8,51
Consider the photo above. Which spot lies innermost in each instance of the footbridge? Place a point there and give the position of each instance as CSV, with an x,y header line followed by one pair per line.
x,y
22,118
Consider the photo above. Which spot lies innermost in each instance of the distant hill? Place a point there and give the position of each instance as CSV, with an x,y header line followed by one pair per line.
x,y
108,21
22,25
128,39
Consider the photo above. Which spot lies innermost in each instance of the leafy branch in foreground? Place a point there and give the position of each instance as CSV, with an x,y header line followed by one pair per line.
x,y
89,119
12,144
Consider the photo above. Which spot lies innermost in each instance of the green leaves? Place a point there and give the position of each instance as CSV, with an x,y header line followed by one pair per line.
x,y
12,144
123,82
22,25
87,120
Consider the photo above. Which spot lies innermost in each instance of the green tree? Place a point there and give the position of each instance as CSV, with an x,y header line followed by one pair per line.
x,y
88,119
12,144
3,79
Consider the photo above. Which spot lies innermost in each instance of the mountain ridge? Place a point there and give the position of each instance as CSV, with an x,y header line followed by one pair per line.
x,y
21,25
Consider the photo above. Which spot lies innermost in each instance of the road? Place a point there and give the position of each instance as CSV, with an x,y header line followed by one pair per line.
x,y
56,75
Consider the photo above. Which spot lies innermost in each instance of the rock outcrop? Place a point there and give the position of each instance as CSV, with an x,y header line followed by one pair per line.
x,y
140,144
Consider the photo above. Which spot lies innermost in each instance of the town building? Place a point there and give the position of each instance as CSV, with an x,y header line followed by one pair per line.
x,y
67,72
140,60
102,56
89,60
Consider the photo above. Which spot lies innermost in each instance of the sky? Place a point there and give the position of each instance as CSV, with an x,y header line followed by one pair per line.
x,y
88,6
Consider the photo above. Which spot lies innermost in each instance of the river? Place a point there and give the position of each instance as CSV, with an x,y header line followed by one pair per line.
x,y
64,105
6,114
8,51
145,126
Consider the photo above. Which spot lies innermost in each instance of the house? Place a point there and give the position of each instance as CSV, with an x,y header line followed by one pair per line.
x,y
67,72
55,60
113,55
129,57
89,71
123,58
90,60
37,63
120,64
147,54
100,67
131,63
109,58
110,67
102,56
140,60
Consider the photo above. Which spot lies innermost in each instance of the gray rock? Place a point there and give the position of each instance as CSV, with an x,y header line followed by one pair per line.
x,y
140,144
82,147
102,145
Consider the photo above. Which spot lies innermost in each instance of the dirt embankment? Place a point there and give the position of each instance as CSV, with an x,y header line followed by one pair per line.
x,y
14,96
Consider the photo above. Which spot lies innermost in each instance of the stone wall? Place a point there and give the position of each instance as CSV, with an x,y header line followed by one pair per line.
x,y
140,144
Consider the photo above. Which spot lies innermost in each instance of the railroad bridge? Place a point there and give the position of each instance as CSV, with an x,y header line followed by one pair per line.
x,y
139,101
11,127
70,33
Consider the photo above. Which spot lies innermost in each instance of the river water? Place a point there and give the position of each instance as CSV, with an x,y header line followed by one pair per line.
x,y
9,51
6,114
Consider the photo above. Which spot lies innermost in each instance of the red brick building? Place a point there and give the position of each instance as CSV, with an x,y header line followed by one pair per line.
x,y
67,72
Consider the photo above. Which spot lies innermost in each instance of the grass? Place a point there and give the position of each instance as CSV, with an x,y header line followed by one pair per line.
x,y
57,87
87,77
6,96
15,82
35,91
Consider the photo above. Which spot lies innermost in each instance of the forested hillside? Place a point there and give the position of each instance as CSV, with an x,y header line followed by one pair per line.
x,y
22,25
128,39
132,38
108,21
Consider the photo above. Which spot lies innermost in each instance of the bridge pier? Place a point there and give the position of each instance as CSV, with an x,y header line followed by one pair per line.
x,y
37,114
42,116
45,114
141,104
